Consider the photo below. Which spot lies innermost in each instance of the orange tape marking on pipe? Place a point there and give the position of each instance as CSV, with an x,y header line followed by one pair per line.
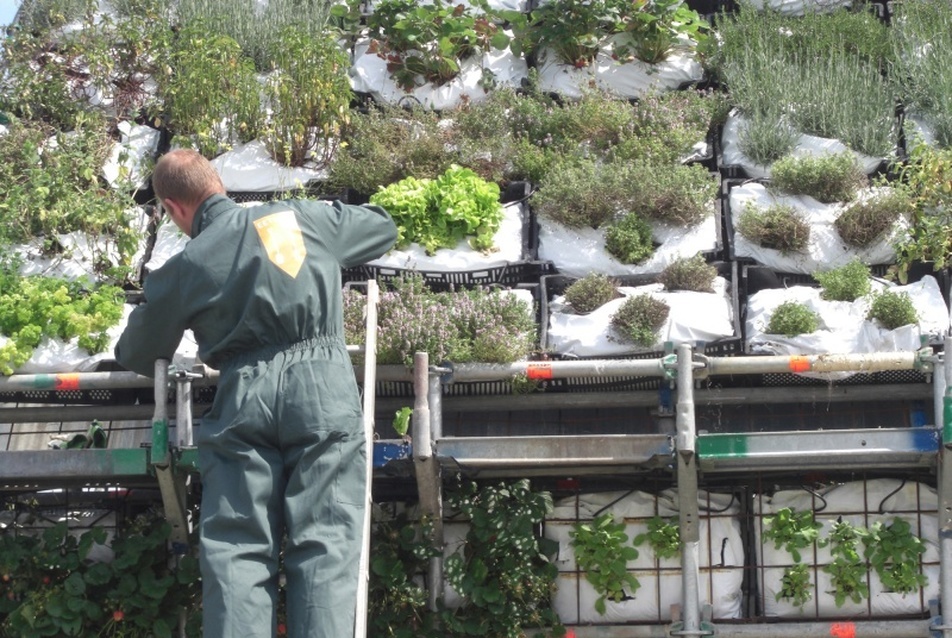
x,y
539,371
799,364
843,630
67,381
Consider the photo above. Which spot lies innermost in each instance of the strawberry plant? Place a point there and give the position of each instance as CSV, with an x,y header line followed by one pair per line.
x,y
791,530
848,569
662,536
894,551
602,551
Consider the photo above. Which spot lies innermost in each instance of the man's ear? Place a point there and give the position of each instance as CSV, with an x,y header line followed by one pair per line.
x,y
178,214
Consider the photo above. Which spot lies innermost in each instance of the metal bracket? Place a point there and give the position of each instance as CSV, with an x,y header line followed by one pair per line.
x,y
937,628
702,368
669,365
707,629
445,370
925,360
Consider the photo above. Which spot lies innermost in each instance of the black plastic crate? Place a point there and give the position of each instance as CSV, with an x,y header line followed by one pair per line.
x,y
310,191
554,285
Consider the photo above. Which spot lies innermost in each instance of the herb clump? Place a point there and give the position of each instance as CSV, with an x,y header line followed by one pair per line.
x,y
639,318
846,283
826,178
628,239
689,273
590,292
892,310
779,227
792,318
864,222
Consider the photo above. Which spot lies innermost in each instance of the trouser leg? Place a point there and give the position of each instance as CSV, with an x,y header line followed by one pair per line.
x,y
324,500
242,482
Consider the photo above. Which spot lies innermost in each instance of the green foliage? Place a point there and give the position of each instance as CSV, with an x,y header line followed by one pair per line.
x,y
590,292
894,551
502,571
846,283
440,213
848,569
309,97
866,221
54,589
689,273
425,43
400,549
602,551
791,530
654,29
639,318
52,185
780,227
401,420
792,318
32,308
827,178
628,239
489,326
386,144
892,310
928,173
662,537
209,92
795,585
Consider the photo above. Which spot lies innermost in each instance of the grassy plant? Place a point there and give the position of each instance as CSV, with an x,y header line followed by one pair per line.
x,y
792,318
638,319
590,292
256,27
866,221
846,283
780,227
892,310
689,273
829,178
628,239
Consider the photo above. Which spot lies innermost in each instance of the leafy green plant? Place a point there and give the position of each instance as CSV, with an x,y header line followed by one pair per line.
x,y
795,585
210,96
426,43
628,239
574,30
827,178
662,537
892,310
309,97
602,551
639,318
780,227
792,318
440,213
689,273
401,548
848,569
502,571
846,283
32,308
894,551
653,29
590,292
927,175
401,420
791,530
55,589
50,184
866,221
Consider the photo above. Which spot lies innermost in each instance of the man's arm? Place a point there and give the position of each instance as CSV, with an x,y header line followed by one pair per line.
x,y
155,327
362,233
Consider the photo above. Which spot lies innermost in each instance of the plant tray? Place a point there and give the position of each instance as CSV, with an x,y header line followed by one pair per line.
x,y
554,285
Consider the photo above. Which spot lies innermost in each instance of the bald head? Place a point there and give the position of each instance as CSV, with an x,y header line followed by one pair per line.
x,y
186,177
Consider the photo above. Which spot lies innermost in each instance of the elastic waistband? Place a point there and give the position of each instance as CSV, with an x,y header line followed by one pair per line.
x,y
266,353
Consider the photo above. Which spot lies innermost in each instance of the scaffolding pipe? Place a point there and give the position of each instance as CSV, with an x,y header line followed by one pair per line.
x,y
837,629
864,362
945,501
688,529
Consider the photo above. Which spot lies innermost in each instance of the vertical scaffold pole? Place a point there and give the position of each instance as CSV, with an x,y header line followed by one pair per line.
x,y
945,498
687,497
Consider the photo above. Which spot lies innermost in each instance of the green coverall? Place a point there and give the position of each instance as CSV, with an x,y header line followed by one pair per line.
x,y
282,447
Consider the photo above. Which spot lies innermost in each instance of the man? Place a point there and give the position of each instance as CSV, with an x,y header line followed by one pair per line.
x,y
282,447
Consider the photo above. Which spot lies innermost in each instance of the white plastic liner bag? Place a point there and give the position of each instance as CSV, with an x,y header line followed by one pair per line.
x,y
693,317
721,557
859,503
250,168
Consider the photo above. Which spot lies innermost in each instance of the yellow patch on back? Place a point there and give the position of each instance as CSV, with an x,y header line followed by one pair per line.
x,y
282,239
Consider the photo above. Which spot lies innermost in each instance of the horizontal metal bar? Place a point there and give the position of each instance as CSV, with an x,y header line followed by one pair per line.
x,y
864,362
822,449
557,452
29,469
793,629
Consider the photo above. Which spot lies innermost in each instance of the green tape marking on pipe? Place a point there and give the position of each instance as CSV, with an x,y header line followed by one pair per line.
x,y
947,420
722,445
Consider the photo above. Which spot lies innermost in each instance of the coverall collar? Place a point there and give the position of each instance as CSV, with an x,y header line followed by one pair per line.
x,y
208,211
